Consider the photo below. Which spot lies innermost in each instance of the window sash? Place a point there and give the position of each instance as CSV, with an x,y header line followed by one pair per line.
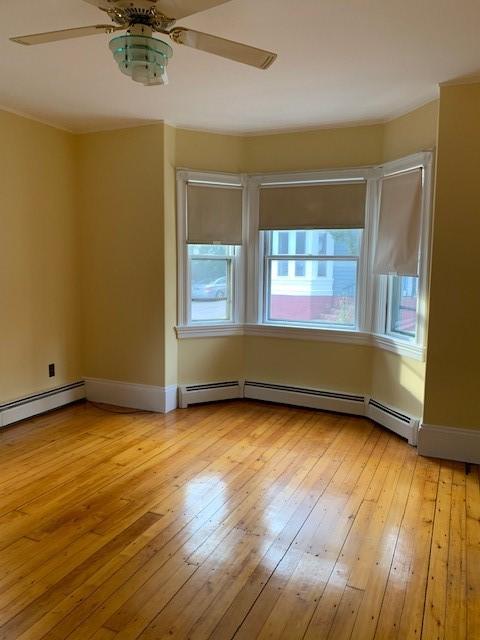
x,y
264,281
390,311
233,279
229,260
250,264
268,261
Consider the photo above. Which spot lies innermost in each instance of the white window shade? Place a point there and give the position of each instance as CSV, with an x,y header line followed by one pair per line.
x,y
399,227
339,205
214,214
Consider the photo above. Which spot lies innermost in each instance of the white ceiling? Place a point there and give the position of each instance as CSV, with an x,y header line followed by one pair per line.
x,y
340,61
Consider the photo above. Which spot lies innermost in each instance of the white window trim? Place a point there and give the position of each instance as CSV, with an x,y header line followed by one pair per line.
x,y
184,326
249,285
256,241
380,285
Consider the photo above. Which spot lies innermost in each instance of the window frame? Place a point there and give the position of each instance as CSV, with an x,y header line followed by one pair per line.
x,y
382,284
184,314
256,242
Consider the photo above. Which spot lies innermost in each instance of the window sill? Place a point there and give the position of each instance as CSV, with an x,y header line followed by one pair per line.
x,y
400,347
343,336
210,331
349,336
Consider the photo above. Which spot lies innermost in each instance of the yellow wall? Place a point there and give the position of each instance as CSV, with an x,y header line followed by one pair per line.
x,y
170,258
323,365
318,149
122,202
452,381
398,381
39,276
209,151
203,360
414,131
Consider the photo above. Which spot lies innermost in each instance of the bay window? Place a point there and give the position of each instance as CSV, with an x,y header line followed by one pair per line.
x,y
333,255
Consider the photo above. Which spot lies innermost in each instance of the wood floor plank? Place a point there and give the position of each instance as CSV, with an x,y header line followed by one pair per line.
x,y
236,520
407,575
473,552
436,594
456,604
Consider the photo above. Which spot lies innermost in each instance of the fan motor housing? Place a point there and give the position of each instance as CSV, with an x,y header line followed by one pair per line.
x,y
126,13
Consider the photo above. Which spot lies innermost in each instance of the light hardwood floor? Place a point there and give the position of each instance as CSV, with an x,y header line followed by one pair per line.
x,y
235,520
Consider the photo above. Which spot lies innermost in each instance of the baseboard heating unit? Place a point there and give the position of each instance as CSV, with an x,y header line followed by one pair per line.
x,y
398,422
214,391
37,403
306,397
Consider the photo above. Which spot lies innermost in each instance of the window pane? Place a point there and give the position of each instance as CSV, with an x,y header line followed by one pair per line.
x,y
347,242
329,299
211,289
404,305
320,242
209,250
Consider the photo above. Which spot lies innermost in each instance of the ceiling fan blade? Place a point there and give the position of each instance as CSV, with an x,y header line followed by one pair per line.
x,y
170,8
65,34
225,48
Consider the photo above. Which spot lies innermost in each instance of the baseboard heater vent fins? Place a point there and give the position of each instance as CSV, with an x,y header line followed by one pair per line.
x,y
37,403
42,395
400,423
210,392
306,397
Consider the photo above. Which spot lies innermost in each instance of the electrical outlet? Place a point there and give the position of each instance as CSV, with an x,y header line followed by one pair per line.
x,y
51,370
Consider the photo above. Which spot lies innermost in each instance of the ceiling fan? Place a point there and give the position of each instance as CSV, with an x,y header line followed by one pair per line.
x,y
140,55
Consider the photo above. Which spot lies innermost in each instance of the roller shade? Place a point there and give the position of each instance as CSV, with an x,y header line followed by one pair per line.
x,y
339,205
398,238
214,214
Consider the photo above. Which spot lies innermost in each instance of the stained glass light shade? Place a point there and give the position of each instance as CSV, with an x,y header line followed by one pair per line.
x,y
143,58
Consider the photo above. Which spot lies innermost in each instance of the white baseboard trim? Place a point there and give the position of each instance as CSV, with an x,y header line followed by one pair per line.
x,y
451,443
37,403
171,398
136,396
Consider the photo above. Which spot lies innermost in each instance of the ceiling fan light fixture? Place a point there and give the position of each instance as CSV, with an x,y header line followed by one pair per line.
x,y
142,57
